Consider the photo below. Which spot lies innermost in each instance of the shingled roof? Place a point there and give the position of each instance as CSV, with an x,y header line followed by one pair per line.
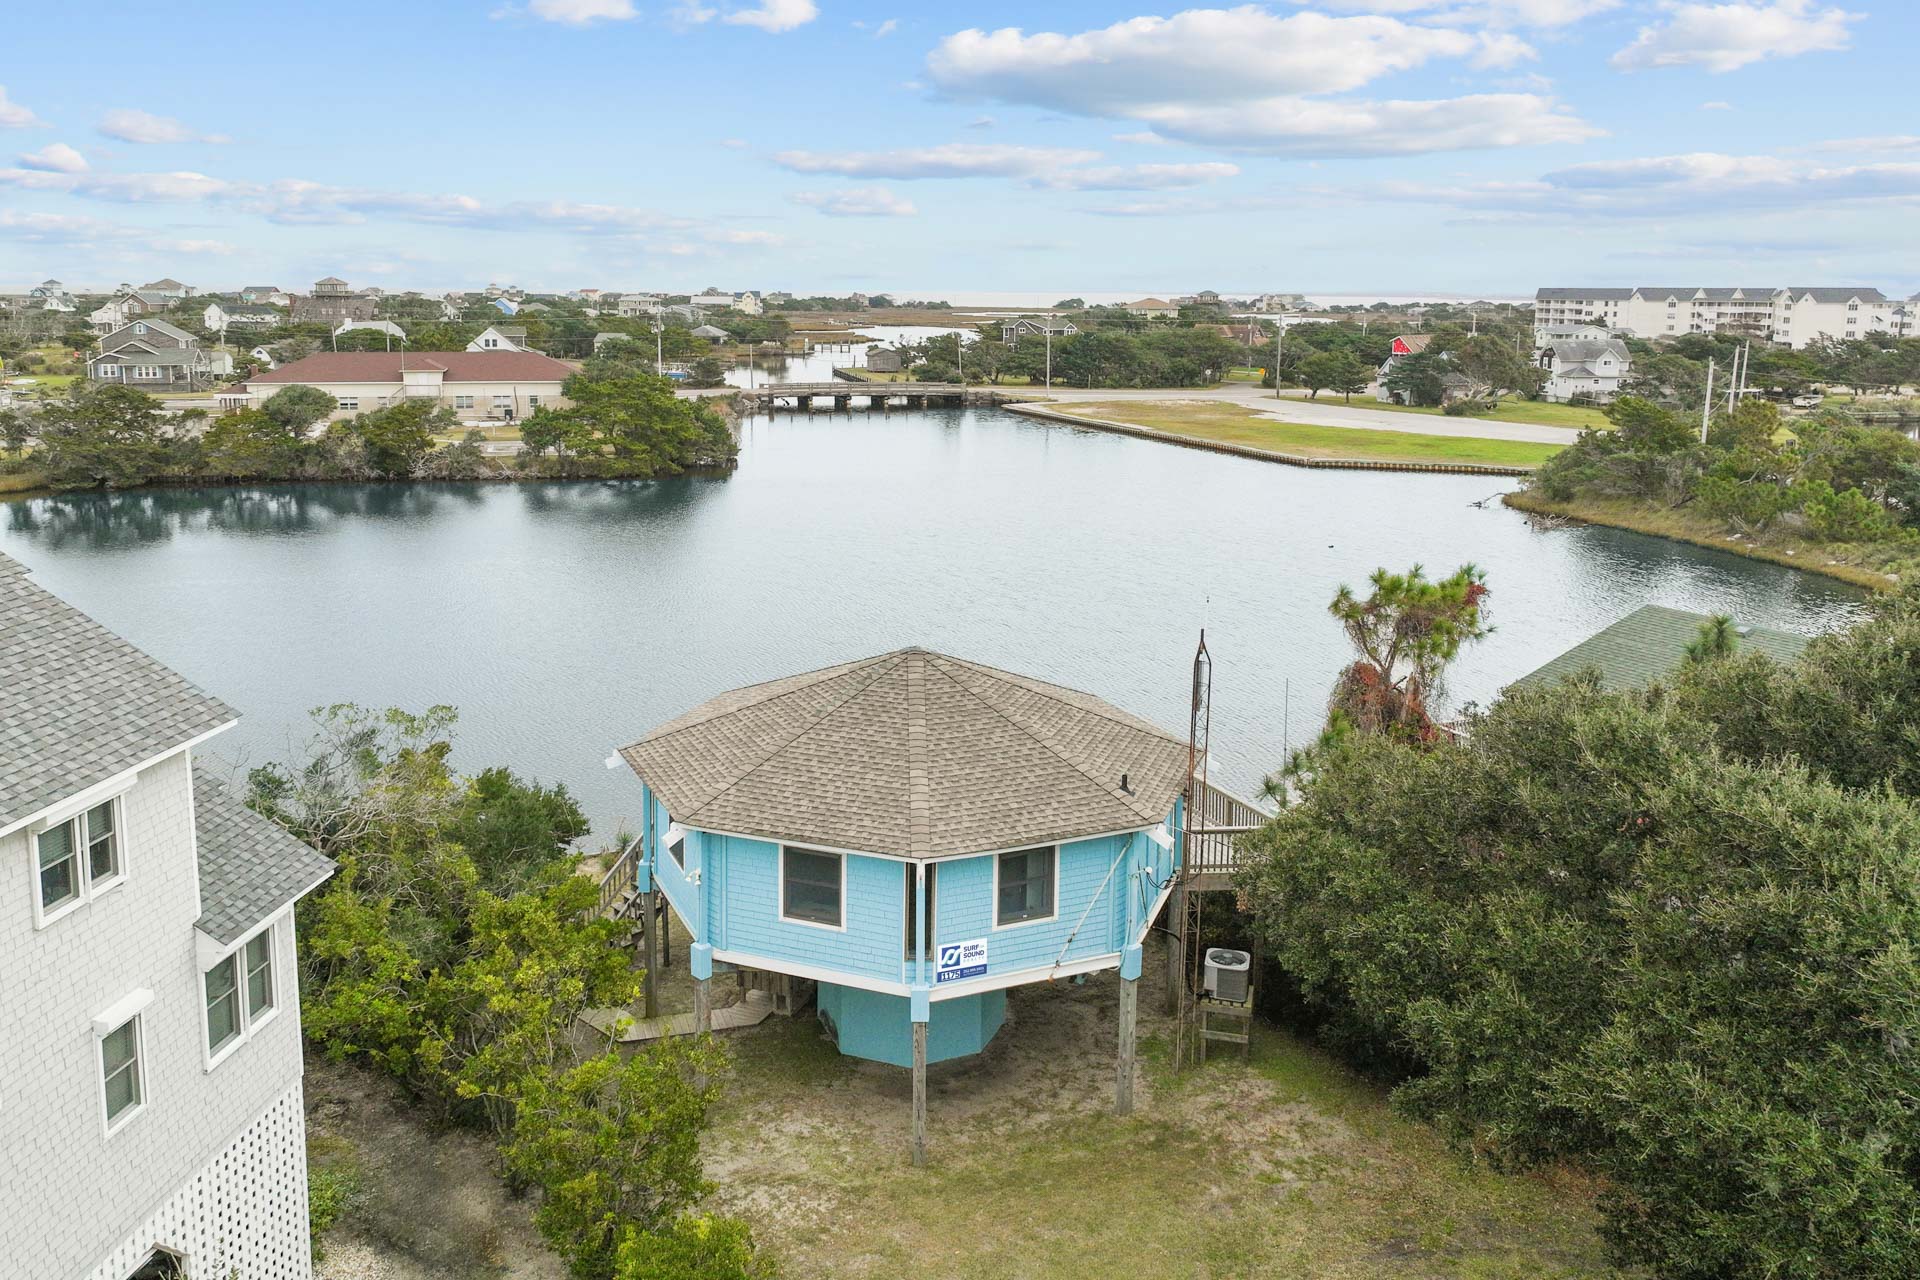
x,y
1649,645
78,704
911,753
249,866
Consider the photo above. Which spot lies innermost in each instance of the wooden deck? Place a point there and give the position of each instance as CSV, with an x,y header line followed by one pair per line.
x,y
1213,834
623,1027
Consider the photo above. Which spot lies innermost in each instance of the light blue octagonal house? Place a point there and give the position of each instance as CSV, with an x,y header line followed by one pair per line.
x,y
915,833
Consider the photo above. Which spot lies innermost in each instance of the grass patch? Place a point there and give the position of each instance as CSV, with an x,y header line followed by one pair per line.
x,y
1285,1165
1232,424
1537,413
1857,566
12,482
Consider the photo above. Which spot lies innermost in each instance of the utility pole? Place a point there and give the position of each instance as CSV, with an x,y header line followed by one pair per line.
x,y
1706,403
1279,339
1049,354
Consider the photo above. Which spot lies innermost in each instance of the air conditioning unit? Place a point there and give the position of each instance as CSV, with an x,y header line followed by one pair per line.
x,y
1228,974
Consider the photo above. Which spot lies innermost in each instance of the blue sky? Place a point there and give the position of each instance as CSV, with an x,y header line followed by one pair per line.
x,y
1332,146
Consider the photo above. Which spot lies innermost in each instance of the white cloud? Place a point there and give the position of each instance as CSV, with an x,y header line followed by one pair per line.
x,y
735,144
1491,13
1200,55
130,125
1137,177
746,237
1142,139
949,160
769,15
1886,142
886,28
1245,79
581,13
857,202
13,115
1325,128
55,157
96,236
1726,37
1716,106
1670,186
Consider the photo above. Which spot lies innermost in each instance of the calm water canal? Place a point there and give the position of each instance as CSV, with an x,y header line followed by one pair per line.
x,y
566,619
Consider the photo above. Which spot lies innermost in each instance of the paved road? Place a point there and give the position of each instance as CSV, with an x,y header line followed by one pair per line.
x,y
1295,407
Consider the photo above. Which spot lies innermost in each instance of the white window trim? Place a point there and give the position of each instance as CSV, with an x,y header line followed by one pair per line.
x,y
131,1007
841,858
1021,924
250,1025
89,889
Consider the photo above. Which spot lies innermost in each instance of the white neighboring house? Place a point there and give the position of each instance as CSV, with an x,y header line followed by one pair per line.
x,y
1152,309
220,316
1588,367
58,302
501,337
498,386
150,1064
168,287
126,308
265,357
634,305
720,300
387,327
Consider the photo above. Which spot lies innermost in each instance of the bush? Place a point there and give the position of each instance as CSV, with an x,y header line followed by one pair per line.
x,y
1467,408
1668,934
331,1190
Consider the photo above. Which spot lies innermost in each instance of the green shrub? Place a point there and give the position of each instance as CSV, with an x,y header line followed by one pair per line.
x,y
331,1191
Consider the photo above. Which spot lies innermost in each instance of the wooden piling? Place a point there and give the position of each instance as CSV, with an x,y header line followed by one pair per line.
x,y
702,1007
919,1095
650,913
1176,945
1123,1069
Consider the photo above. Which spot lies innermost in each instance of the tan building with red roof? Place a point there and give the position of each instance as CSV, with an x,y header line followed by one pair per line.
x,y
499,386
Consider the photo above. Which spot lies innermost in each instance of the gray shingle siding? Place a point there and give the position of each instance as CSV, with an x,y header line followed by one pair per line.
x,y
79,705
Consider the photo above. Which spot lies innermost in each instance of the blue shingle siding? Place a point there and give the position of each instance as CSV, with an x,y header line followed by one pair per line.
x,y
746,911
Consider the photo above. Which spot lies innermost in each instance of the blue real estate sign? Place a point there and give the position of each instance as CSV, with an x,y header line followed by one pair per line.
x,y
959,960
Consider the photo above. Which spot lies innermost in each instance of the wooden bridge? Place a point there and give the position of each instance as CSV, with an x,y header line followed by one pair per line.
x,y
875,395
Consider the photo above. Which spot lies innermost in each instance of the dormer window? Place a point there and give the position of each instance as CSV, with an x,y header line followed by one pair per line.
x,y
139,328
77,860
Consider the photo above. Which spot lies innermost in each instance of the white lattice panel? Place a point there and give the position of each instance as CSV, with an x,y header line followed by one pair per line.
x,y
243,1216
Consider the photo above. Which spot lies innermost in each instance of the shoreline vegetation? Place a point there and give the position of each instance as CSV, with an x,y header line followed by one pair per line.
x,y
1682,526
1832,495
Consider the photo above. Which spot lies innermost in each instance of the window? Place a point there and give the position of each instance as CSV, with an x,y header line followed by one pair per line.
x,y
912,923
146,372
240,994
810,885
161,1264
533,402
259,958
223,1005
463,402
120,1072
349,404
139,328
503,402
1025,887
109,370
678,852
79,857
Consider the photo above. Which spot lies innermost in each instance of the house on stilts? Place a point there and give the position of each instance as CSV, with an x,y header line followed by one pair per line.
x,y
914,834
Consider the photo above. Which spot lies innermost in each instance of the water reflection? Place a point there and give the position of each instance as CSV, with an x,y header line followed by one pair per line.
x,y
110,521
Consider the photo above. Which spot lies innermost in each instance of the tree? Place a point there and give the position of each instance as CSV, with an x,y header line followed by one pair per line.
x,y
625,421
1717,639
399,436
1321,371
707,371
1419,379
1493,367
1406,632
112,436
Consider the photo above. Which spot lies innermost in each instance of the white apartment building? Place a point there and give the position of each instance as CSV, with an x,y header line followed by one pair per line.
x,y
1788,317
151,1111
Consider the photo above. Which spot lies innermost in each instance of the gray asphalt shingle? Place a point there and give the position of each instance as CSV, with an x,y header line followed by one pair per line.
x,y
1648,645
911,753
249,866
77,703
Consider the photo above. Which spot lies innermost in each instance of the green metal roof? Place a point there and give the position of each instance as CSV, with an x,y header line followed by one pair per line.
x,y
1648,645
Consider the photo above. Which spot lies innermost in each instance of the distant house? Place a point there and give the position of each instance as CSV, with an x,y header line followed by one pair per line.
x,y
387,327
501,337
601,340
47,289
125,308
505,306
265,357
58,302
1152,309
1268,302
265,295
1404,345
152,355
332,301
635,305
477,385
884,360
233,315
1584,367
167,287
1649,645
715,300
710,334
1011,331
